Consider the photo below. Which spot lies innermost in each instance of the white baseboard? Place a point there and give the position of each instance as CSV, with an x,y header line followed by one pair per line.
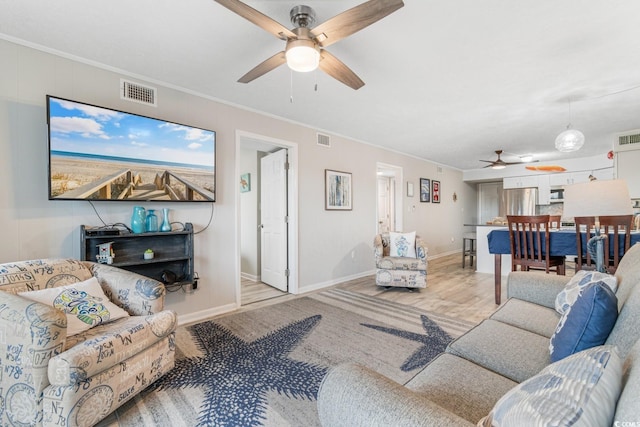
x,y
251,277
199,316
322,285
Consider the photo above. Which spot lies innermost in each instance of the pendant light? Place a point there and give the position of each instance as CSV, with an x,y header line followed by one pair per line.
x,y
571,139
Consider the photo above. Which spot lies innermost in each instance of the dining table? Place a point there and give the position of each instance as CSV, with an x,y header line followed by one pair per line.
x,y
561,243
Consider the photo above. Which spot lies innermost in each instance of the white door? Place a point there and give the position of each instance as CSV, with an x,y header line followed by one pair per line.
x,y
384,223
273,220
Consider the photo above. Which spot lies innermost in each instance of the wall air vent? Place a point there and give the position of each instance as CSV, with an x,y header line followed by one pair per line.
x,y
137,92
324,140
627,141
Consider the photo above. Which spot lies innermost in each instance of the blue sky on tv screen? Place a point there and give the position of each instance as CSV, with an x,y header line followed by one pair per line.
x,y
89,130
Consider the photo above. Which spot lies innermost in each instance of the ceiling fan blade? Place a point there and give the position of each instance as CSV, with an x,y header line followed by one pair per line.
x,y
336,69
353,20
264,67
258,18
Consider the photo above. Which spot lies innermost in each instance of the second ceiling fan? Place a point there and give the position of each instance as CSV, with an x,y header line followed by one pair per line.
x,y
501,164
304,50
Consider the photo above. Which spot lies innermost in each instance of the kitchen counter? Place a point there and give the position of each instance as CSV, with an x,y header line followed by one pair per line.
x,y
485,261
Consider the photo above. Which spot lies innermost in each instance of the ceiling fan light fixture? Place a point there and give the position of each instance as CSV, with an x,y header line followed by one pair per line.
x,y
569,140
498,167
302,55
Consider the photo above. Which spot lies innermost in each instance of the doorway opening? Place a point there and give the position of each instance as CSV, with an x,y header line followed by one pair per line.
x,y
267,207
389,198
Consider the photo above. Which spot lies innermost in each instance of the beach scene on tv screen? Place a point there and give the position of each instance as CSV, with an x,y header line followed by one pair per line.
x,y
102,154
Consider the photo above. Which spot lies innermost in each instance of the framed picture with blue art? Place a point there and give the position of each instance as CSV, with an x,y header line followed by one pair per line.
x,y
338,191
425,190
245,182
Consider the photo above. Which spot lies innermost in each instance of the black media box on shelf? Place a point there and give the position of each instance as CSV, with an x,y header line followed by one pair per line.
x,y
103,232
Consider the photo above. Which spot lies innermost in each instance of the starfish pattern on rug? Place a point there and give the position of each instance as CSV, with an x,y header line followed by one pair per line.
x,y
236,374
434,342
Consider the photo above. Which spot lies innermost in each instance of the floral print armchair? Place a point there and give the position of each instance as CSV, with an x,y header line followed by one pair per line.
x,y
51,379
405,272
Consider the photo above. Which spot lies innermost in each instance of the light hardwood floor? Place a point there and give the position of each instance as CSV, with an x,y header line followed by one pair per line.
x,y
451,290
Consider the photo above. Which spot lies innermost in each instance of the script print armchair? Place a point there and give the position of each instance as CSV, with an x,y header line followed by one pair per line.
x,y
404,272
52,379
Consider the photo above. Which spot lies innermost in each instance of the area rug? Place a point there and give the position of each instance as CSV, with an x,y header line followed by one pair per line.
x,y
263,367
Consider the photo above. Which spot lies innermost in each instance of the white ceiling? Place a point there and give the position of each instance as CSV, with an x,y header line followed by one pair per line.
x,y
448,80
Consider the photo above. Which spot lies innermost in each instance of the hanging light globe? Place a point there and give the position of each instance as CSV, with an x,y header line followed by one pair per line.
x,y
569,140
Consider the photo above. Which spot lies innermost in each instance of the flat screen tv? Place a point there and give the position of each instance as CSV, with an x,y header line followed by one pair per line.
x,y
97,153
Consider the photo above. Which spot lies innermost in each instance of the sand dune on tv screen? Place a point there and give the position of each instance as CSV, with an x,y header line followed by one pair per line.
x,y
68,174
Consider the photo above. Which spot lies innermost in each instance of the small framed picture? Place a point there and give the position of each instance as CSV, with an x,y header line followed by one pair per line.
x,y
245,182
409,189
338,191
425,190
435,191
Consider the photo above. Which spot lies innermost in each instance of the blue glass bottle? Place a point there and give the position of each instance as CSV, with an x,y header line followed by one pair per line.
x,y
138,219
151,221
166,225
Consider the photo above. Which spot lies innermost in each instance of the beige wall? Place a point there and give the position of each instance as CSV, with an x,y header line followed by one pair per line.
x,y
332,245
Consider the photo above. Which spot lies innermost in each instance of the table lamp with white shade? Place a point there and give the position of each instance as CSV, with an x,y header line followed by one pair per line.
x,y
596,199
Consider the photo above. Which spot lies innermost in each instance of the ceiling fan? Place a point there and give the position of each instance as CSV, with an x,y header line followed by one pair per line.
x,y
501,164
304,50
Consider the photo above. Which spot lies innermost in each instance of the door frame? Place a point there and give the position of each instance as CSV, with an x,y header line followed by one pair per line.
x,y
399,193
292,200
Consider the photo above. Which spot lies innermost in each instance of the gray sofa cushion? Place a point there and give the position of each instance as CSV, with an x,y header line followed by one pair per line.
x,y
625,332
628,408
460,386
507,350
528,316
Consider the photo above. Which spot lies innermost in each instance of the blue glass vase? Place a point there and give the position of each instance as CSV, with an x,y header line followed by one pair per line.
x,y
166,225
151,221
138,219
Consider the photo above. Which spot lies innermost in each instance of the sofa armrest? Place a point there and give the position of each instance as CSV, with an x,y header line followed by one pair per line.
x,y
536,287
139,295
421,249
31,334
378,248
352,395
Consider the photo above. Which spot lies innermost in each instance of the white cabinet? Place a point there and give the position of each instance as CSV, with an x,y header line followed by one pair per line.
x,y
568,178
520,182
628,168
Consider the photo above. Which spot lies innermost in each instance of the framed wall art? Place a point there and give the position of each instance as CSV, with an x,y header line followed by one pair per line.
x,y
435,191
409,189
425,190
245,182
338,191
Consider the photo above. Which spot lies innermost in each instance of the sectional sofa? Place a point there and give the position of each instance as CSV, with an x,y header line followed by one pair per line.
x,y
503,366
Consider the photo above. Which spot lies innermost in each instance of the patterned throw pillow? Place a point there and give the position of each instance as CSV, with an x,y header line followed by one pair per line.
x,y
587,323
402,244
582,278
84,303
580,390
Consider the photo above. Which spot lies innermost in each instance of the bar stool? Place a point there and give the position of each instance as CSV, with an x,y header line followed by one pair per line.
x,y
471,250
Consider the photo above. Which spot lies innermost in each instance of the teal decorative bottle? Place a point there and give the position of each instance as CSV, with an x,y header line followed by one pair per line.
x,y
166,225
138,219
151,221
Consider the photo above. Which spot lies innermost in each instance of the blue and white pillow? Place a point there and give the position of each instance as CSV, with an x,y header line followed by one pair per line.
x,y
582,278
402,244
84,304
586,323
581,390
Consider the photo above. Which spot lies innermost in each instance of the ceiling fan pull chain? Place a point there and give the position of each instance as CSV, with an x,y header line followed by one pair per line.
x,y
291,87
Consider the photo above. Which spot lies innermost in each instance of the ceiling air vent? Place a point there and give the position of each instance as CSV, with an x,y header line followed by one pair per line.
x,y
627,141
137,92
324,140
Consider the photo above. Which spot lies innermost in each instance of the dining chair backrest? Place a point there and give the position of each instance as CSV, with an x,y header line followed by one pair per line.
x,y
614,227
586,225
555,221
529,241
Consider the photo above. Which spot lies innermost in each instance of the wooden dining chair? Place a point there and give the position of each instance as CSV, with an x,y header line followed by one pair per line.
x,y
555,221
615,227
529,240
